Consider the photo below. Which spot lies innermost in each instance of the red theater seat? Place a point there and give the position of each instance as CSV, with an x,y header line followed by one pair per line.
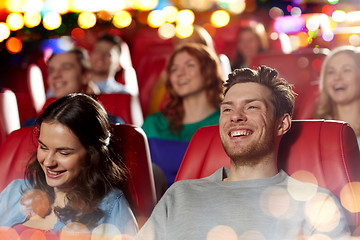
x,y
131,144
327,149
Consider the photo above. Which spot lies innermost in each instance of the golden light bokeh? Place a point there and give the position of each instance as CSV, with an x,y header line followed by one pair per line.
x,y
185,17
33,234
252,234
350,197
52,20
220,18
166,31
156,18
184,31
171,13
32,19
322,212
86,20
4,31
106,232
275,201
15,21
122,19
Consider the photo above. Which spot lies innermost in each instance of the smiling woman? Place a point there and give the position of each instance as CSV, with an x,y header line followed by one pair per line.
x,y
73,178
340,87
194,87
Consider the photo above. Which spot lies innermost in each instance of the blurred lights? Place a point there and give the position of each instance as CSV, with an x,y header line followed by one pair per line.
x,y
86,20
15,21
339,16
167,31
170,13
333,1
14,45
32,19
295,11
4,31
312,23
220,18
156,18
145,5
237,7
52,20
353,17
33,6
15,5
354,40
122,19
223,232
350,197
276,12
184,31
185,17
289,24
328,36
78,34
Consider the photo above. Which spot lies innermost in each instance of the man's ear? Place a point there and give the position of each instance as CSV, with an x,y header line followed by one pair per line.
x,y
283,124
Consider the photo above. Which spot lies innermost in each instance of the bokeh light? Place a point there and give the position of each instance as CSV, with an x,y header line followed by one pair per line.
x,y
61,7
276,12
122,19
15,5
339,16
15,21
34,203
289,24
166,31
105,232
301,191
156,18
8,233
350,197
275,201
296,11
184,31
220,18
327,36
322,212
171,13
52,20
33,233
354,40
313,23
86,20
14,45
4,31
221,232
185,17
145,5
78,34
32,19
74,231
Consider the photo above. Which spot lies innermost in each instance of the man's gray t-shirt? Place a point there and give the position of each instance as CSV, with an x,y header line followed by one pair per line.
x,y
279,207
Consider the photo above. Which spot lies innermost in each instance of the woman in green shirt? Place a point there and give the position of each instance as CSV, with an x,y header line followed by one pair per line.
x,y
194,87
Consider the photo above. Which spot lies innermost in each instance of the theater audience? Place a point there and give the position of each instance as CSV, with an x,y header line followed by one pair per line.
x,y
69,72
253,199
105,64
252,40
340,87
73,182
194,85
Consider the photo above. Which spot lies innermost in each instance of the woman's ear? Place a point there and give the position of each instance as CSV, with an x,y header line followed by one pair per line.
x,y
284,124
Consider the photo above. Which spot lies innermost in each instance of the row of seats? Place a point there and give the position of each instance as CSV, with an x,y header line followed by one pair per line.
x,y
325,152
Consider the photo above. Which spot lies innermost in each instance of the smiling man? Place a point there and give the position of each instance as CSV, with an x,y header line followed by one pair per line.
x,y
250,200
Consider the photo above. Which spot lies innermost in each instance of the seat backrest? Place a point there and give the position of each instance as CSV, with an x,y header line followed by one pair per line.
x,y
9,113
131,143
326,149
